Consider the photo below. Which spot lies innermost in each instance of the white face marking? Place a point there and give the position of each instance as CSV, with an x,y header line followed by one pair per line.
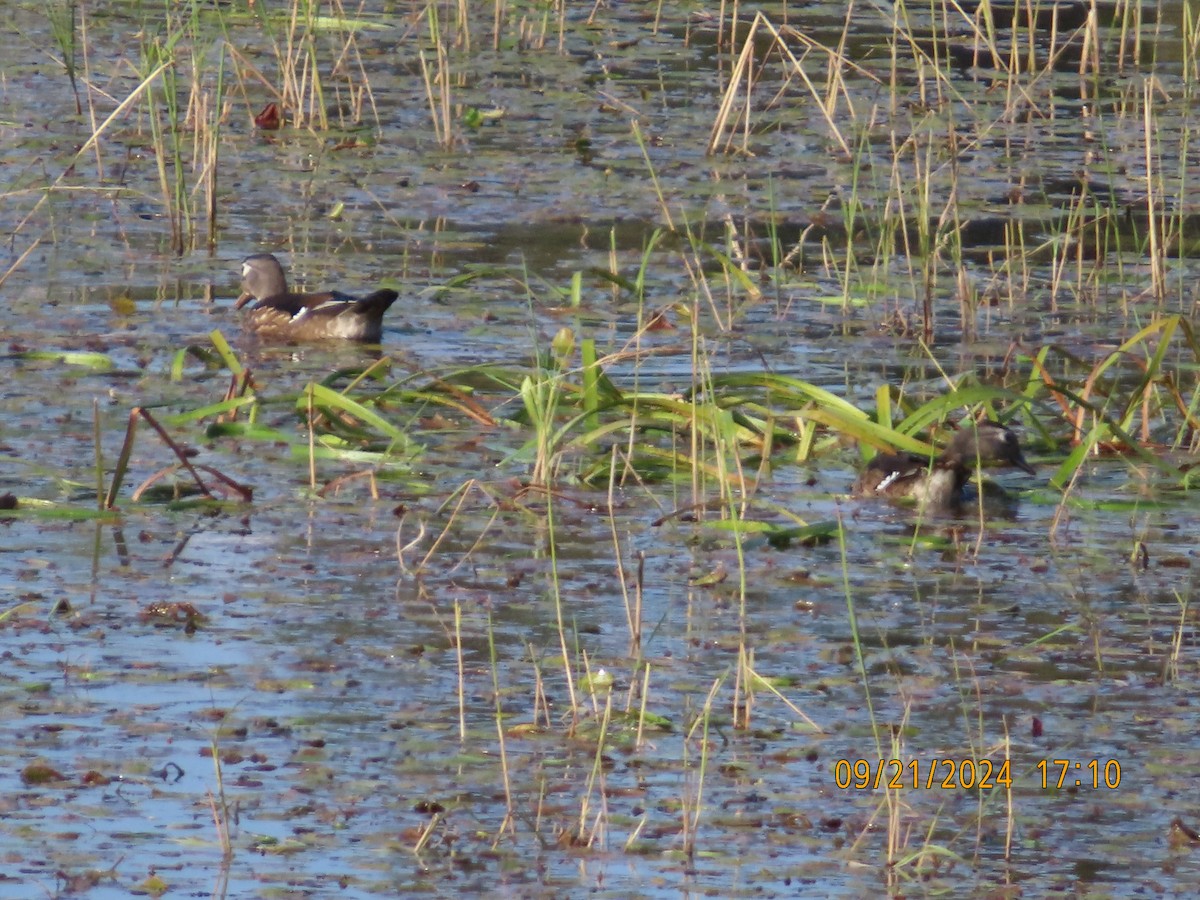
x,y
245,269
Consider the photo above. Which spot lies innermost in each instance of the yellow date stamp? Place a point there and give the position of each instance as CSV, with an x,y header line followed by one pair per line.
x,y
972,774
947,774
1096,774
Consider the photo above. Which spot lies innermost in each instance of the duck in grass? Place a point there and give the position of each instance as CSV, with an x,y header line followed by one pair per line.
x,y
937,483
282,315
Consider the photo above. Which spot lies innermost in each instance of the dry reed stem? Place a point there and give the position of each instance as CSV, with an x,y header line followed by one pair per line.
x,y
460,665
1158,275
92,142
633,617
402,549
462,493
220,807
765,683
691,806
244,65
438,112
507,825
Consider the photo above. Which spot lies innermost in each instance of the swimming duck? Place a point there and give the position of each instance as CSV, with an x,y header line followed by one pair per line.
x,y
938,482
331,315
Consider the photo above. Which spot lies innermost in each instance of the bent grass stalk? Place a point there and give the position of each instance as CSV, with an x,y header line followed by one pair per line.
x,y
742,77
244,492
91,143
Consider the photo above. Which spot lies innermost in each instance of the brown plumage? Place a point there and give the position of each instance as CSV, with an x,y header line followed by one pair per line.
x,y
280,314
938,482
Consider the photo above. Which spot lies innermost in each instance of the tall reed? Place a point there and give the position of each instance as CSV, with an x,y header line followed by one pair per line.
x,y
63,15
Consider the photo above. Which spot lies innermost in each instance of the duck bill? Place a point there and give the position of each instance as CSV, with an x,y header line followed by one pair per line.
x,y
1021,463
243,300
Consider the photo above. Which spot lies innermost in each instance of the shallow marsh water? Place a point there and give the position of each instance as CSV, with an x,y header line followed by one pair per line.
x,y
360,756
